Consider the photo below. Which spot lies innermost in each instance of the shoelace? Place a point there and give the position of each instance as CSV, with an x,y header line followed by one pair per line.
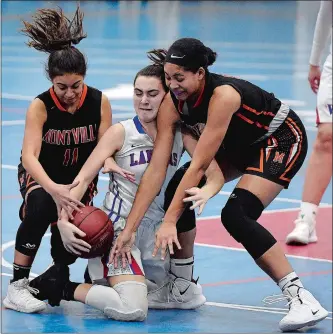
x,y
170,285
273,299
24,288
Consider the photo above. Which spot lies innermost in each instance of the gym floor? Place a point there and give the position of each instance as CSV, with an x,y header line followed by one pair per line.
x,y
267,43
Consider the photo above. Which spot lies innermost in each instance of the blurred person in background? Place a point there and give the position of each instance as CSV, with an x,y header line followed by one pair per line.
x,y
321,157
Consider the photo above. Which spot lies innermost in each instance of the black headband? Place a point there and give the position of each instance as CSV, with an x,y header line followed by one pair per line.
x,y
185,60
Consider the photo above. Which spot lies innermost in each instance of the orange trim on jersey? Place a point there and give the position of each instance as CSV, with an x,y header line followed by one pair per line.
x,y
199,100
58,104
56,101
83,96
295,130
266,113
245,118
30,180
261,163
252,122
268,152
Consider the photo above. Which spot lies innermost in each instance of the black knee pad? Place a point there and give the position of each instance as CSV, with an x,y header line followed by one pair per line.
x,y
239,218
40,212
187,220
58,251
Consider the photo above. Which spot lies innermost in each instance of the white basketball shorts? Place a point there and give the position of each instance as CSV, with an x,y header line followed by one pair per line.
x,y
324,96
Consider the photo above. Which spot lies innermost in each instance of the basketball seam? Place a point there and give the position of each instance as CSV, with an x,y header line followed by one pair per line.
x,y
105,227
87,216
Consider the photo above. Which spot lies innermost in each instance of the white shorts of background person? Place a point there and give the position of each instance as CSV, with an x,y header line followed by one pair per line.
x,y
324,96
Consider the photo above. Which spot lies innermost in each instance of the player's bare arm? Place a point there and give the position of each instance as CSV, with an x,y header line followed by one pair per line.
x,y
108,145
214,179
106,116
152,179
154,176
224,103
32,142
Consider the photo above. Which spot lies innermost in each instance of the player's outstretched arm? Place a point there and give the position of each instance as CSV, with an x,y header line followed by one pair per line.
x,y
223,104
152,179
154,175
109,144
214,179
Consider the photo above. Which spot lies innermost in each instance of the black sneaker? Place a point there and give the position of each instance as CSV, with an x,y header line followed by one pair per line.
x,y
51,284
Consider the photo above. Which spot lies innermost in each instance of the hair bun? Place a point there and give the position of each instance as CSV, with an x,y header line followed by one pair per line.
x,y
211,56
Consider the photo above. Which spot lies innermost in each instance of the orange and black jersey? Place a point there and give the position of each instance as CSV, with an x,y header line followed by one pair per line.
x,y
68,139
259,115
264,138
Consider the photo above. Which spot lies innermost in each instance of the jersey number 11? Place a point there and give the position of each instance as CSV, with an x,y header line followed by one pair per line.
x,y
71,154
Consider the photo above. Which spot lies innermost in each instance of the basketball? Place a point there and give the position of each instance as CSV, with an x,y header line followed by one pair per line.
x,y
98,229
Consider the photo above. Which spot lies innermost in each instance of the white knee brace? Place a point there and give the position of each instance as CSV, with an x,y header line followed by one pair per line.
x,y
126,301
133,295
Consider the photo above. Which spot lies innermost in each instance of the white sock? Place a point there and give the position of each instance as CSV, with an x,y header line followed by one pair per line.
x,y
182,267
309,210
290,282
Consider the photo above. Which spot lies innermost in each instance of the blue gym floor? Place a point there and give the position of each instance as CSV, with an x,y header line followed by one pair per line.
x,y
267,43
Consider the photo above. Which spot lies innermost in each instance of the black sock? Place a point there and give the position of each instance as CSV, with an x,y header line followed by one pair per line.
x,y
20,272
69,289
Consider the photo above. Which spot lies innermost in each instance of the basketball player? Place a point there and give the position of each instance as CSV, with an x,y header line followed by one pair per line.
x,y
62,127
131,142
321,156
238,122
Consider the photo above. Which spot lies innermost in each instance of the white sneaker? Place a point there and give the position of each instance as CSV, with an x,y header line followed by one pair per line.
x,y
19,298
177,293
304,310
304,231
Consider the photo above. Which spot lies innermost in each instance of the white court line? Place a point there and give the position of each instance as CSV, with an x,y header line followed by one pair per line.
x,y
289,102
163,43
141,62
278,199
15,122
244,250
130,52
226,193
22,121
264,213
251,308
329,205
222,305
11,244
290,75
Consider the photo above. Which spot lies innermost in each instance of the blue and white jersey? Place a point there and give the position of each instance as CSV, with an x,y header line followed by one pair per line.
x,y
135,156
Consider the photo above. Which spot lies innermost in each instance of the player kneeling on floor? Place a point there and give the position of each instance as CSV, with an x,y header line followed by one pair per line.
x,y
131,142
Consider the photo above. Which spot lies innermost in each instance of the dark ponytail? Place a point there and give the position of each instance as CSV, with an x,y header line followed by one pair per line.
x,y
52,32
157,56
